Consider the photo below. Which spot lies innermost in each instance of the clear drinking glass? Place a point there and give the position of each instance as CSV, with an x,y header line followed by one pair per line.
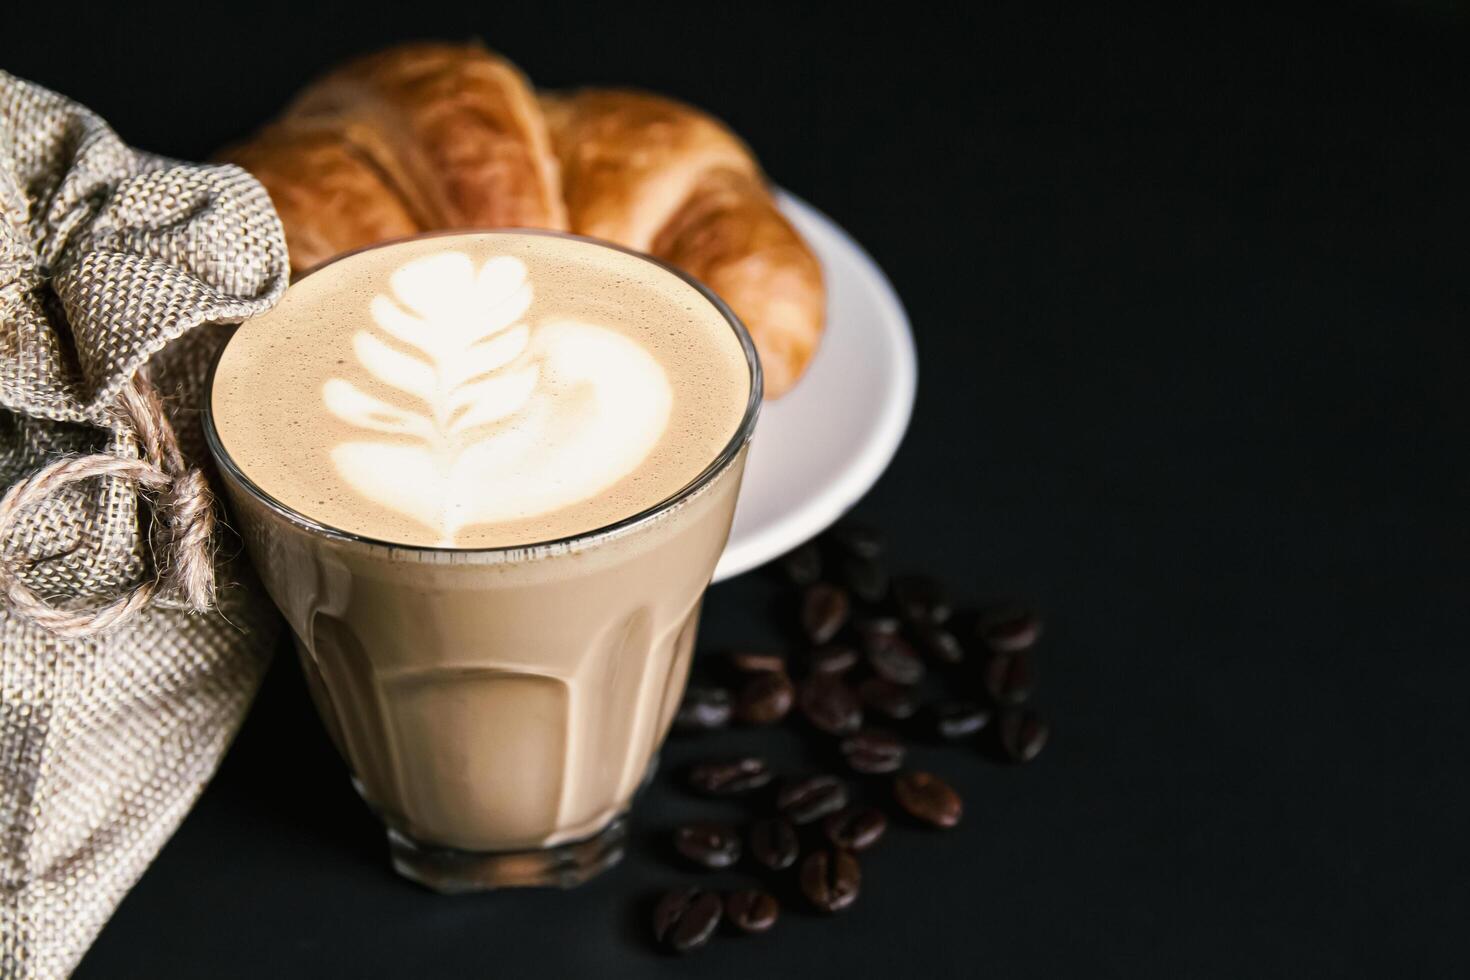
x,y
499,707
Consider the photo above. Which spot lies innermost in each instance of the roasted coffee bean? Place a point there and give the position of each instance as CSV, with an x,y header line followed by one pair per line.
x,y
830,705
1023,734
870,626
729,777
765,699
709,845
832,659
757,662
856,828
921,599
928,798
959,719
751,910
938,643
872,751
1008,678
1009,628
685,918
862,540
704,708
811,798
892,658
824,611
830,879
865,578
773,843
803,564
895,701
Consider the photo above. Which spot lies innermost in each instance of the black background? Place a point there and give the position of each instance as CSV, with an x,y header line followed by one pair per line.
x,y
1189,290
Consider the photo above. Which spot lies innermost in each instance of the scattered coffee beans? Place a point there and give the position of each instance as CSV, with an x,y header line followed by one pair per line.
x,y
862,540
1009,629
703,709
773,843
832,659
871,752
894,701
830,705
830,879
938,644
751,910
765,699
928,798
875,642
729,777
824,611
959,719
803,565
921,599
1008,678
865,578
709,845
856,828
811,798
685,918
1023,734
893,659
757,662
877,624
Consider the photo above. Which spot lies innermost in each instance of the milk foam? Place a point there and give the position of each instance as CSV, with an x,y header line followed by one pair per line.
x,y
544,424
480,390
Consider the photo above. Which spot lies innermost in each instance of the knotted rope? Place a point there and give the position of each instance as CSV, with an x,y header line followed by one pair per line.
x,y
183,562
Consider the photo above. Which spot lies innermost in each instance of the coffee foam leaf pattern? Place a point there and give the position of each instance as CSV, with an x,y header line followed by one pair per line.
x,y
487,417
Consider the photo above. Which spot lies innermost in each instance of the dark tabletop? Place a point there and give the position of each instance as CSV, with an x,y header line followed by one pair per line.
x,y
1190,297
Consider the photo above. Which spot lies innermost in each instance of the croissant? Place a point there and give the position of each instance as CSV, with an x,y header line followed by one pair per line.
x,y
411,139
661,177
433,136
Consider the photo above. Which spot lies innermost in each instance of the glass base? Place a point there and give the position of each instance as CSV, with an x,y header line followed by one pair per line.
x,y
452,871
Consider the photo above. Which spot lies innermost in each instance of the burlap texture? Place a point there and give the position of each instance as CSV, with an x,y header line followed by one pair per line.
x,y
109,259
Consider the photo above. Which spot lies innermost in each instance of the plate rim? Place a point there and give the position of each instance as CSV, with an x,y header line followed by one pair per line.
x,y
857,478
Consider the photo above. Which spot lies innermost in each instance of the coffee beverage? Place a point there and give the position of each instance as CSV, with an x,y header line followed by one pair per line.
x,y
476,391
486,477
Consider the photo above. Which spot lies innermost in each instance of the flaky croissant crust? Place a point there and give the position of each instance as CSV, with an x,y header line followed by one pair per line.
x,y
438,136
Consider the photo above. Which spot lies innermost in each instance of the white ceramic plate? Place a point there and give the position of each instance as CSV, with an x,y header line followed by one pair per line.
x,y
819,448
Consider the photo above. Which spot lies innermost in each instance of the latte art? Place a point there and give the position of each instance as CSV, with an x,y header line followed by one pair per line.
x,y
480,390
501,421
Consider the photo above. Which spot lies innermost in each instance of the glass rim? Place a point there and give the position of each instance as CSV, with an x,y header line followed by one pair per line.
x,y
702,479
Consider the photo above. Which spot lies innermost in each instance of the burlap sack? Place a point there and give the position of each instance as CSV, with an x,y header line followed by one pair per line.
x,y
121,680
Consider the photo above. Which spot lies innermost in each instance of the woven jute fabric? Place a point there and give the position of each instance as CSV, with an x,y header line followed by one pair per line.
x,y
117,268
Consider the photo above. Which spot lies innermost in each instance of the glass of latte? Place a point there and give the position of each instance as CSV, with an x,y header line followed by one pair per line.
x,y
486,477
